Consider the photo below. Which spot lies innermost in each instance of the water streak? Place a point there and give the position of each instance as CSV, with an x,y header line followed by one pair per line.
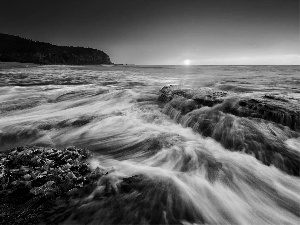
x,y
187,170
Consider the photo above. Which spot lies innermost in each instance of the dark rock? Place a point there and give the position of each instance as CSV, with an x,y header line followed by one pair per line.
x,y
27,177
73,192
39,180
258,126
44,189
33,186
272,109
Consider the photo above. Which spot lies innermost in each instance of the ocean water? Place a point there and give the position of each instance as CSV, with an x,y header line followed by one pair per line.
x,y
114,112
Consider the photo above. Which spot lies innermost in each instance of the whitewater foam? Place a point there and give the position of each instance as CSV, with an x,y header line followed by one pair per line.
x,y
183,175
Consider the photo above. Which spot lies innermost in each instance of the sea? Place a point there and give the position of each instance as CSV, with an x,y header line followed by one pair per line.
x,y
114,112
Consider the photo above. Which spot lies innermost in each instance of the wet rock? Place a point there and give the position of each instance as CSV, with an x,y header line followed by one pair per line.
x,y
66,185
71,176
271,108
41,174
258,125
67,166
73,192
47,187
39,180
27,177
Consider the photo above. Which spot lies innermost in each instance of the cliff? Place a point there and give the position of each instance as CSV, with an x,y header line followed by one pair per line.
x,y
17,49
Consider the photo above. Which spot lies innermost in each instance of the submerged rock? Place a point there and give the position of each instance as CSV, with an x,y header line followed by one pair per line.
x,y
138,200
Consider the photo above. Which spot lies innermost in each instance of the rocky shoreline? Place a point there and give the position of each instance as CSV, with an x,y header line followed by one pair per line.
x,y
267,107
256,125
40,184
58,186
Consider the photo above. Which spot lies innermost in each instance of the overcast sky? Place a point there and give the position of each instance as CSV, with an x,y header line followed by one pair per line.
x,y
164,31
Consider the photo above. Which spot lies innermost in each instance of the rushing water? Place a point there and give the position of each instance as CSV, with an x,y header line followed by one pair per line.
x,y
113,111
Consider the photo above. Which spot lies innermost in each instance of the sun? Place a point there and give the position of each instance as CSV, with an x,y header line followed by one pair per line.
x,y
187,62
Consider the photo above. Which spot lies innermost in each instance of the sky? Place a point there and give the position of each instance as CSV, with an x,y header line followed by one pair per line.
x,y
164,32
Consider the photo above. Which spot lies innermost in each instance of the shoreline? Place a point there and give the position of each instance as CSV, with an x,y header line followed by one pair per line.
x,y
33,179
259,126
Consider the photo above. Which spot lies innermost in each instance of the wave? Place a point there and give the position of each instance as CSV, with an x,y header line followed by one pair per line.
x,y
168,162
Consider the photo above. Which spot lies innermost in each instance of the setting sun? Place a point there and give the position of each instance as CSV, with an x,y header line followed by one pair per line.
x,y
187,62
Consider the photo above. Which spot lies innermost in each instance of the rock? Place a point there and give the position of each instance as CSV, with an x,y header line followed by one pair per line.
x,y
258,125
27,177
28,184
34,161
40,176
71,175
39,180
66,185
73,192
44,189
67,166
96,174
272,109
15,182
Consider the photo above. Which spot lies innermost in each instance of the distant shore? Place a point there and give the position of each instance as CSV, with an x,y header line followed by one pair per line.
x,y
18,49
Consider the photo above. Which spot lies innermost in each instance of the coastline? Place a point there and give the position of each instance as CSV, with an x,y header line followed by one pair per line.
x,y
257,125
164,155
33,179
